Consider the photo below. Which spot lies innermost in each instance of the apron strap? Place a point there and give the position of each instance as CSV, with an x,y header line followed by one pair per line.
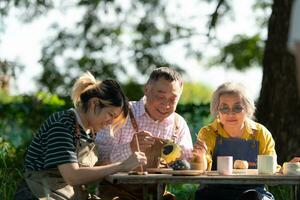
x,y
176,127
176,124
133,121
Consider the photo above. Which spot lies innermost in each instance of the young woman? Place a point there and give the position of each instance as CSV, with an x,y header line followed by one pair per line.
x,y
61,156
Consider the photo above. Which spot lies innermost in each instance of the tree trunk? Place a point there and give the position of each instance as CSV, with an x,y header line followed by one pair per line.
x,y
4,83
278,107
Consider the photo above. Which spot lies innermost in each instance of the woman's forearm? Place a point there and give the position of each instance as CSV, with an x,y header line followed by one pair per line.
x,y
75,175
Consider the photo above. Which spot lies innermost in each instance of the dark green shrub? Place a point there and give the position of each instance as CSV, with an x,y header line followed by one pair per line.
x,y
20,117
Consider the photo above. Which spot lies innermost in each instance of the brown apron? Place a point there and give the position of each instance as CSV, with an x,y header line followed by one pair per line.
x,y
49,184
108,191
153,153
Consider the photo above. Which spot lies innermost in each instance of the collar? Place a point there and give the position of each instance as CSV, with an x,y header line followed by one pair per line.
x,y
140,107
78,119
250,126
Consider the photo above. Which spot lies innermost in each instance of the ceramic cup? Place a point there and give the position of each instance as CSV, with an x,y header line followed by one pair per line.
x,y
197,166
291,168
266,164
224,165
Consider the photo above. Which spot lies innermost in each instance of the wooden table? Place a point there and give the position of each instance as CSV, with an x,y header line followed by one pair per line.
x,y
209,178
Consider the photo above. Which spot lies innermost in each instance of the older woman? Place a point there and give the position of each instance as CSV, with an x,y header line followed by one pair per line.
x,y
233,133
61,156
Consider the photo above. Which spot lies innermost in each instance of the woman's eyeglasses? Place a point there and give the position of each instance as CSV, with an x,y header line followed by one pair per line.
x,y
235,109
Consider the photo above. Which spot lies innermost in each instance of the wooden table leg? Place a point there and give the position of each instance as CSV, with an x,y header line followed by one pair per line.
x,y
160,188
297,193
145,192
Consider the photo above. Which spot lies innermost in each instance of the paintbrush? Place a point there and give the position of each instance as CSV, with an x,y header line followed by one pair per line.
x,y
138,148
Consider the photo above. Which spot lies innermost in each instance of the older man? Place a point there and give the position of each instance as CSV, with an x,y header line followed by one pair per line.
x,y
152,117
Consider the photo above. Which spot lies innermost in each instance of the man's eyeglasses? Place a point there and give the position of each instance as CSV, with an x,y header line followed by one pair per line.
x,y
235,109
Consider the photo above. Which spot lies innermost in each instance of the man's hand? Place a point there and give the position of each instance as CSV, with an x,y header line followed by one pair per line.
x,y
145,141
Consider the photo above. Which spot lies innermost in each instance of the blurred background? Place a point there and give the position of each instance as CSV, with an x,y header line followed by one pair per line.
x,y
46,44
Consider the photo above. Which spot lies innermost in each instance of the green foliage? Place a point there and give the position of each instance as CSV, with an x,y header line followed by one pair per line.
x,y
28,111
243,52
196,115
195,93
281,192
20,117
222,7
187,191
183,191
11,162
264,7
8,71
50,99
6,98
133,90
109,37
28,9
10,178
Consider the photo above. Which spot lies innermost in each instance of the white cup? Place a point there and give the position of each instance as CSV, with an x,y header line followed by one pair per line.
x,y
224,165
266,164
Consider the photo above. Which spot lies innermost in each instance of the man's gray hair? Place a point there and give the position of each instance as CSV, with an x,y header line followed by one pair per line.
x,y
167,73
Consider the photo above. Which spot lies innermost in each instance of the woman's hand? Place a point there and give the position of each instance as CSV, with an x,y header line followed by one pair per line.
x,y
200,147
135,160
199,154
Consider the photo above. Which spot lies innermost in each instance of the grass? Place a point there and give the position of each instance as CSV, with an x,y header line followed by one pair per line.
x,y
9,180
183,191
281,192
187,191
11,163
